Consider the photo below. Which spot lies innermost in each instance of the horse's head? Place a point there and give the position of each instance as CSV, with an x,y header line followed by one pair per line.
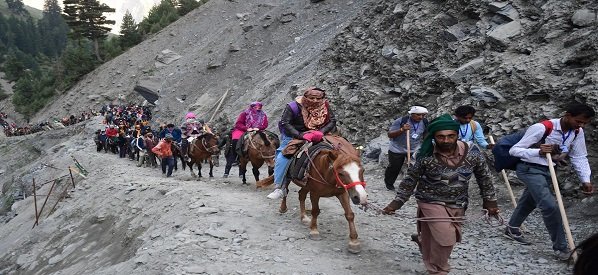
x,y
261,142
210,143
348,173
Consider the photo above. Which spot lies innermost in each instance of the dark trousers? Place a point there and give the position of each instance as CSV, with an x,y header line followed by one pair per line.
x,y
395,162
231,156
167,161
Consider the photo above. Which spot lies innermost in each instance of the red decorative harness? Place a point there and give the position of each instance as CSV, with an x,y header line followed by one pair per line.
x,y
341,184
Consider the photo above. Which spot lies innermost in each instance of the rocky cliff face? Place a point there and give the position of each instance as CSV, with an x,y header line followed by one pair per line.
x,y
516,61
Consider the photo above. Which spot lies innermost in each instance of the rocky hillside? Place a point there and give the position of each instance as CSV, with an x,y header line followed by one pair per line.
x,y
516,61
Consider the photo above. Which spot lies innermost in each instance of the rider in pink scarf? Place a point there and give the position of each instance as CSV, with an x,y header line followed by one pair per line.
x,y
252,119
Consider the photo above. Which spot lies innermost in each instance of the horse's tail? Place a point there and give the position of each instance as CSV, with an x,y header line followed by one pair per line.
x,y
264,138
265,182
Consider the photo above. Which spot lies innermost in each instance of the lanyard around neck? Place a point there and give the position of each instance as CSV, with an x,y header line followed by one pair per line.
x,y
464,134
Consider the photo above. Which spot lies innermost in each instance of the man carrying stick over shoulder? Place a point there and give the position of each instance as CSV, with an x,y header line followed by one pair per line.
x,y
565,139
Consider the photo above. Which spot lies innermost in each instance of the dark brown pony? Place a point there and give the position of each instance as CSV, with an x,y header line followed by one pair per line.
x,y
200,149
344,181
261,148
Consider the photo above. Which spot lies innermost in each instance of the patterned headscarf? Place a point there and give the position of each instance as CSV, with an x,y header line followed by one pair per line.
x,y
254,118
443,122
314,112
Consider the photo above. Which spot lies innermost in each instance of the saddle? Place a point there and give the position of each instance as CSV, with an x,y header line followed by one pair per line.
x,y
300,162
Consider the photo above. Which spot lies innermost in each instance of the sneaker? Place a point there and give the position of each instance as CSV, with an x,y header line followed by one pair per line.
x,y
390,187
225,176
515,234
276,194
562,255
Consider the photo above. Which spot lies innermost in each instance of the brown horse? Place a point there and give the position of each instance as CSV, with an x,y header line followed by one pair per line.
x,y
334,172
200,149
261,148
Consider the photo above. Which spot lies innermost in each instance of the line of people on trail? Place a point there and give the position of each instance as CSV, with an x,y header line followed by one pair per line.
x,y
449,153
12,129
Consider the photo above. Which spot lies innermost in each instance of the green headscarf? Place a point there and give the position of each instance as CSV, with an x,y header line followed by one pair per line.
x,y
443,122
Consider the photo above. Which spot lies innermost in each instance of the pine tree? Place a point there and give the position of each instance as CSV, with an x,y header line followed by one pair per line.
x,y
129,34
17,7
86,19
53,29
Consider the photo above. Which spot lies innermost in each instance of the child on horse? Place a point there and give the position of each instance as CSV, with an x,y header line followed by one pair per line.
x,y
251,119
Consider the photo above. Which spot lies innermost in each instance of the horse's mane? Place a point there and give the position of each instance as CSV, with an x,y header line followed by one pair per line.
x,y
264,138
345,158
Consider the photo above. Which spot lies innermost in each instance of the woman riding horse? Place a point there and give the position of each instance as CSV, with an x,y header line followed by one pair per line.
x,y
251,119
308,118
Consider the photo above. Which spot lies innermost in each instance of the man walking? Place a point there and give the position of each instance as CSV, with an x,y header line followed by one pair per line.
x,y
416,124
469,129
441,173
565,139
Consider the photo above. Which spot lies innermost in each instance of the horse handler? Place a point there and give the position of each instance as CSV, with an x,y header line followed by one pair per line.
x,y
443,168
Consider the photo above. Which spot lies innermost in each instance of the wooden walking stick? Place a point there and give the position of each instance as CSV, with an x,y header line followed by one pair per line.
x,y
506,179
408,148
559,200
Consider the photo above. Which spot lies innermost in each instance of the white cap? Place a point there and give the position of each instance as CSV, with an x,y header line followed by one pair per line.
x,y
418,110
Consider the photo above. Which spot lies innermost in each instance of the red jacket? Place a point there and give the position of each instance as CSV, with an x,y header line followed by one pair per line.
x,y
163,149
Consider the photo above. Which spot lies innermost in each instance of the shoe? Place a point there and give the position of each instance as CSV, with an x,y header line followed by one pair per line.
x,y
390,187
515,235
225,176
564,256
276,194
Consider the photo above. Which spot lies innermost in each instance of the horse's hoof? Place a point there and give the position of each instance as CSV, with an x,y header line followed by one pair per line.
x,y
354,247
282,210
306,221
314,236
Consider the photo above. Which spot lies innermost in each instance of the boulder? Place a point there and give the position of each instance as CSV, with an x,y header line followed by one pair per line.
x,y
486,94
166,57
468,68
583,18
502,33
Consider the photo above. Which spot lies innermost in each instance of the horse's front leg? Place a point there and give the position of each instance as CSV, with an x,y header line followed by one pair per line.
x,y
283,205
270,163
302,196
211,168
354,245
314,234
256,173
190,164
243,170
198,168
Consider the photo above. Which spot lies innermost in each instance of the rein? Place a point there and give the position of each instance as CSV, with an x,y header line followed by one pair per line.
x,y
255,147
493,221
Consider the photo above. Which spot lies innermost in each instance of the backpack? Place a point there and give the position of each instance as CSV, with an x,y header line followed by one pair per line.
x,y
294,109
504,160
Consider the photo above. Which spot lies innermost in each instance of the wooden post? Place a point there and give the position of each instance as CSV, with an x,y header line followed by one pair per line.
x,y
35,203
218,107
408,148
559,200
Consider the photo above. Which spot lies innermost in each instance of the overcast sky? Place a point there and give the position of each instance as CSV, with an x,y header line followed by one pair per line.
x,y
138,8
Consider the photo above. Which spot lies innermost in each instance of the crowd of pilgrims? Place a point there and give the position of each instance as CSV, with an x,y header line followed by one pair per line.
x,y
128,133
12,129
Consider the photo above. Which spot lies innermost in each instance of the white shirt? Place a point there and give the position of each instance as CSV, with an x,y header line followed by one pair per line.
x,y
577,147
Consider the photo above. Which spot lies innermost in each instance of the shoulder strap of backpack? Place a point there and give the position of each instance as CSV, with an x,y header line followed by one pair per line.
x,y
294,108
549,126
473,126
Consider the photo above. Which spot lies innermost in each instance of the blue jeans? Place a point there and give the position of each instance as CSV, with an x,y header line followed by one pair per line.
x,y
167,161
537,194
280,161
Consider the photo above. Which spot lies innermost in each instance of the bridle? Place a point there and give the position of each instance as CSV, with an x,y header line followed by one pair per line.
x,y
338,180
209,149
